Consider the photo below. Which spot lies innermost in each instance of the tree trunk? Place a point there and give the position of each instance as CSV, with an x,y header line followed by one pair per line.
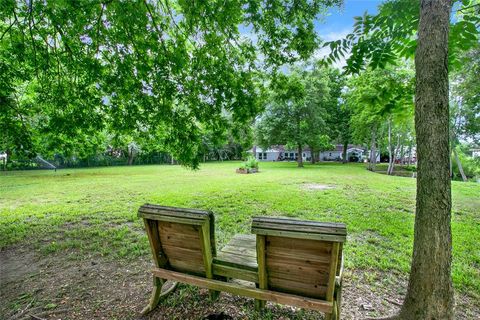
x,y
402,153
299,158
430,290
410,147
344,154
130,156
459,165
390,161
312,156
373,153
394,156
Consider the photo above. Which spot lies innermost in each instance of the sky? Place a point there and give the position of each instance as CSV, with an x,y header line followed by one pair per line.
x,y
339,22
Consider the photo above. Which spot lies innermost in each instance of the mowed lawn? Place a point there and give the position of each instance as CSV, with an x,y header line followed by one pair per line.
x,y
94,211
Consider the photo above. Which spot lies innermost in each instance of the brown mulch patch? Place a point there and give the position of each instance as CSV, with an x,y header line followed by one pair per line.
x,y
72,286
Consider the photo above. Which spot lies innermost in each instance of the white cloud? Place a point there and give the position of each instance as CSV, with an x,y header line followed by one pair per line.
x,y
325,51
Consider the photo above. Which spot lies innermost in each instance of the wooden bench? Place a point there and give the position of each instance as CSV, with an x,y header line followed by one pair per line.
x,y
290,261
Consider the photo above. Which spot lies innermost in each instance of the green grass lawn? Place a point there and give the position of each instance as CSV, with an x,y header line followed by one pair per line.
x,y
93,211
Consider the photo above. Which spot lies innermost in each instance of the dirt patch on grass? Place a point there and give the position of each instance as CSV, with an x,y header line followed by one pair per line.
x,y
316,187
68,286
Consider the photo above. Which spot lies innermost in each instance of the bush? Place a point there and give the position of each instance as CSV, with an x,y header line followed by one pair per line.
x,y
251,163
471,166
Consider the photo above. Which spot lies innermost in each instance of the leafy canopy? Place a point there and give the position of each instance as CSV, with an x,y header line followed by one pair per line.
x,y
173,68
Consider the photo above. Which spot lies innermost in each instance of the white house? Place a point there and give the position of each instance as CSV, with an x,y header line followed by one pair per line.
x,y
279,153
475,153
3,158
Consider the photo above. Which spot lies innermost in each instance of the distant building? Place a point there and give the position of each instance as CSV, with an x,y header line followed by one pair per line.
x,y
280,153
475,153
3,159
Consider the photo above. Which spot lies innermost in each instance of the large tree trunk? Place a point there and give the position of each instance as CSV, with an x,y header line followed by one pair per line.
x,y
344,154
312,155
373,153
430,290
299,158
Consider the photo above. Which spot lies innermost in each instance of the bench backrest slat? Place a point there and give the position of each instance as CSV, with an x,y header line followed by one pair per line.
x,y
176,235
301,257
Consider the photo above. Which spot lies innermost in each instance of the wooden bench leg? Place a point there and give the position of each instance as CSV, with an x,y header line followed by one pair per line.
x,y
213,294
259,305
338,300
157,294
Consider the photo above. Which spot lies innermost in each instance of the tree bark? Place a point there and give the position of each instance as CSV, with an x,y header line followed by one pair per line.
x,y
430,290
312,155
344,154
299,158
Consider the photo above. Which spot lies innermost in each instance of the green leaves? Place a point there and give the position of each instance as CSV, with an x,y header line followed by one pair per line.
x,y
378,94
382,39
296,110
135,66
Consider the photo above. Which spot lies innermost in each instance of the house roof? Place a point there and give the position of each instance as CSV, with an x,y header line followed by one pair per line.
x,y
339,147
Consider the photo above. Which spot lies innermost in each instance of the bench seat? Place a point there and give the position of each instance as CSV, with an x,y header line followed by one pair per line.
x,y
238,259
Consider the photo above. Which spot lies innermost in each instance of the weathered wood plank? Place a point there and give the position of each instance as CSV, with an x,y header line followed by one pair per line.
x,y
245,243
233,260
282,298
299,244
310,289
277,253
185,266
158,255
262,268
249,252
333,272
299,235
306,275
234,272
159,217
181,228
173,211
251,238
327,227
183,253
204,235
274,261
176,240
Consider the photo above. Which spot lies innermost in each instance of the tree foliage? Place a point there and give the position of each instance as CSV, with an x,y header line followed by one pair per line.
x,y
381,39
296,111
178,67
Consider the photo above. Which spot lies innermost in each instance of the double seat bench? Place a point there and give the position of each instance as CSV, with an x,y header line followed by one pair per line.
x,y
291,262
